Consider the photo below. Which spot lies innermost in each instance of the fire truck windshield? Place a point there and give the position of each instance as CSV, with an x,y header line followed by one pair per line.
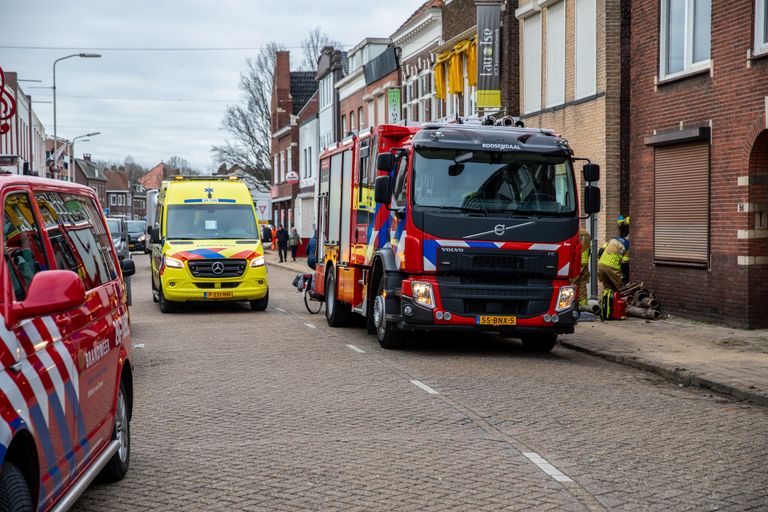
x,y
211,222
493,182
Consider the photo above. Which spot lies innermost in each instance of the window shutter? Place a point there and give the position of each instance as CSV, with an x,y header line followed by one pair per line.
x,y
586,49
556,54
532,69
681,207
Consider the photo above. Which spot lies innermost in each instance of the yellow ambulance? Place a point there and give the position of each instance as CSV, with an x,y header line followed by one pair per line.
x,y
206,244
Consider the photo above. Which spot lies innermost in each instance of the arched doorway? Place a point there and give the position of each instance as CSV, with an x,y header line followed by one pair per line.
x,y
758,246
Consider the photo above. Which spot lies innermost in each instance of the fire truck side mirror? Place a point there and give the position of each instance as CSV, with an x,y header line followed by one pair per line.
x,y
591,199
385,162
591,173
382,190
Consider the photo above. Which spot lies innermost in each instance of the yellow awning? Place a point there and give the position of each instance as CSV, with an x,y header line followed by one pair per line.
x,y
472,63
440,74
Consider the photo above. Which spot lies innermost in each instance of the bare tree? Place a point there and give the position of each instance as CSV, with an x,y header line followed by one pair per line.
x,y
181,165
249,123
312,46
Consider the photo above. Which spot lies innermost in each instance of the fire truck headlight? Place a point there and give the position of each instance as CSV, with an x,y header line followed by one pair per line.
x,y
566,298
423,294
173,262
258,261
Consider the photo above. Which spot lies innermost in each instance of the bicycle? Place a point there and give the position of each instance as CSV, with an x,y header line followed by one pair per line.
x,y
312,300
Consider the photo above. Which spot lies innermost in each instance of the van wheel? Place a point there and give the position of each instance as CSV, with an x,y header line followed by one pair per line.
x,y
336,313
260,304
117,466
155,293
166,306
387,333
541,343
14,492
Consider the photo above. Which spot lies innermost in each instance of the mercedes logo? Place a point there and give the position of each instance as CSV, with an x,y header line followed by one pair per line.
x,y
499,229
217,268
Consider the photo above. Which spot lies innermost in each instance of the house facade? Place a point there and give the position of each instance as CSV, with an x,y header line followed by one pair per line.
x,y
22,147
699,154
354,110
309,147
118,193
331,68
87,173
572,57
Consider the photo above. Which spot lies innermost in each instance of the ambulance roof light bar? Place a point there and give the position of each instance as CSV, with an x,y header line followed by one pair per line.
x,y
206,178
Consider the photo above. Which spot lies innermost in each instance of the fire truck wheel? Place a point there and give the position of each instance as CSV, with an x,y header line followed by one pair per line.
x,y
387,333
260,304
117,467
541,343
14,493
166,306
336,313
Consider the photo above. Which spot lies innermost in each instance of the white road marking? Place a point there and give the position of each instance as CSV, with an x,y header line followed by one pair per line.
x,y
356,349
140,345
424,387
547,467
310,326
280,309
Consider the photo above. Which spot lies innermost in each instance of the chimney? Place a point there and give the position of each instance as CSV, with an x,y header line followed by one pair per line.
x,y
87,157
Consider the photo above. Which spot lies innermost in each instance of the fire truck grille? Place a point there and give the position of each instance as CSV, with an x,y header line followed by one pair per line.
x,y
217,268
499,300
521,263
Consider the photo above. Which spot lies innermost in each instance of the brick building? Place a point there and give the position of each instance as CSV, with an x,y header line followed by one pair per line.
x,y
118,193
332,66
458,51
351,89
291,90
370,95
23,145
138,202
156,175
699,153
571,64
418,39
87,173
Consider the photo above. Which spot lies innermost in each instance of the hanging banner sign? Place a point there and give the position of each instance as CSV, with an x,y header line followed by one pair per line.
x,y
393,106
489,56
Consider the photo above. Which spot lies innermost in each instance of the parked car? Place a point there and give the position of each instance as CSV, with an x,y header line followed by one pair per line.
x,y
136,234
66,380
119,233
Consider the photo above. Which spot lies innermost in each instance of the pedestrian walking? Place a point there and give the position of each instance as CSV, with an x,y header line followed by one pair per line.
x,y
282,243
293,242
613,266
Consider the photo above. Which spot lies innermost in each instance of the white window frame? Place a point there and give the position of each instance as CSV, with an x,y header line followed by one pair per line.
x,y
531,86
555,89
309,162
112,200
761,27
688,65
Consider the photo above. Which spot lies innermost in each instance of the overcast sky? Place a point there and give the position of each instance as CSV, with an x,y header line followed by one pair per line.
x,y
154,104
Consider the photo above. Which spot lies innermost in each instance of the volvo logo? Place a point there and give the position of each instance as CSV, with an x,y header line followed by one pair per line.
x,y
499,229
217,268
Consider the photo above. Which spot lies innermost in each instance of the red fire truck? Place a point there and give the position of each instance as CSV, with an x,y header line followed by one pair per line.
x,y
452,226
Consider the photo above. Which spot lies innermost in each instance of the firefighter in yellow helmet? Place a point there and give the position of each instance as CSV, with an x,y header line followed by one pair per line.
x,y
614,258
582,282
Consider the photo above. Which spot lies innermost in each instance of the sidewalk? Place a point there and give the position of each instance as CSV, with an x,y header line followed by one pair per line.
x,y
300,265
726,360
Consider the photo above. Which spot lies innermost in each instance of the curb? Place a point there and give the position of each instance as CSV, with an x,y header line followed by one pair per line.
x,y
683,377
285,267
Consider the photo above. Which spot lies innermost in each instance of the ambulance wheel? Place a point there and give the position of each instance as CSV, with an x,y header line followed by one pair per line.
x,y
541,343
166,306
387,333
117,467
14,492
155,293
260,304
336,312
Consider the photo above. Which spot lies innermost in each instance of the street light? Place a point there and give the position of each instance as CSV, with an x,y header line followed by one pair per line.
x,y
55,133
72,148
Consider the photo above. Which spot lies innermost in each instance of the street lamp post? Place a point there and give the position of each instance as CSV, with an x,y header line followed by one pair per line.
x,y
72,149
55,133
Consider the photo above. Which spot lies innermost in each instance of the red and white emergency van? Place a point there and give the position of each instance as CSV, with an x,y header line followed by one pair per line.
x,y
465,225
66,383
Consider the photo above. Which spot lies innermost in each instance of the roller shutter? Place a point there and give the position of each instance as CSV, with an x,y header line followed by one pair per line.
x,y
681,207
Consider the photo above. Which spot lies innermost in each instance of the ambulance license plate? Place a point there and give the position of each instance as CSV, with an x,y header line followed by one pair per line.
x,y
496,320
217,295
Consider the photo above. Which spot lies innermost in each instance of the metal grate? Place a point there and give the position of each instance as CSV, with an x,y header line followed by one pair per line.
x,y
217,268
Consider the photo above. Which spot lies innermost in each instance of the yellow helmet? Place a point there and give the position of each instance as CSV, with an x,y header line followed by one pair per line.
x,y
622,220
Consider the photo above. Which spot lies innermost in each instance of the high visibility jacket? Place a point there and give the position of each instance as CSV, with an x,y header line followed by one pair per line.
x,y
615,252
586,246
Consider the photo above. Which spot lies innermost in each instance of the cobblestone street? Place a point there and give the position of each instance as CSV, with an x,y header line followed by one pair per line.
x,y
238,410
